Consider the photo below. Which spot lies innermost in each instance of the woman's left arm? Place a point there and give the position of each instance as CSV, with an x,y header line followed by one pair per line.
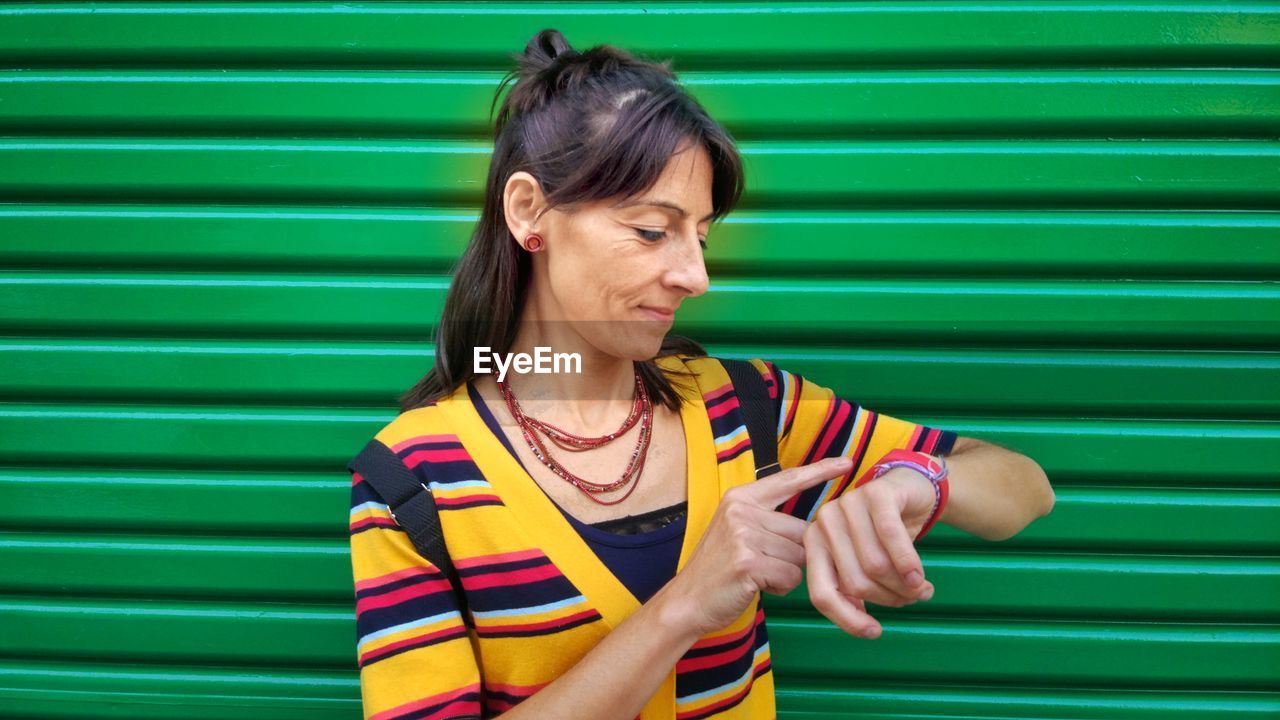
x,y
994,492
859,547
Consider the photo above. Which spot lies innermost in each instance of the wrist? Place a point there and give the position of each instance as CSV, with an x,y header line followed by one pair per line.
x,y
932,468
675,613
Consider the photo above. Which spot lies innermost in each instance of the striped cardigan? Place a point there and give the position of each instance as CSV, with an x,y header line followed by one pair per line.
x,y
536,597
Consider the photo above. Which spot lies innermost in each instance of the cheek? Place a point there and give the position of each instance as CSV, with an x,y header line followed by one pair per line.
x,y
606,277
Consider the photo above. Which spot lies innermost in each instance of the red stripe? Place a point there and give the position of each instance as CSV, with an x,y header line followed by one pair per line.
x,y
450,697
708,398
398,596
522,690
705,709
510,577
494,559
418,457
860,451
464,499
730,637
769,380
424,439
452,709
372,655
930,439
377,521
725,657
842,410
722,408
729,451
916,432
391,577
544,625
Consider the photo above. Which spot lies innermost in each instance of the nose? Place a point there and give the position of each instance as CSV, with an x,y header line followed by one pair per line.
x,y
688,269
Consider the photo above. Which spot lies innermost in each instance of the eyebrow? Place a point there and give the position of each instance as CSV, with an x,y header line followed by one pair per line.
x,y
662,204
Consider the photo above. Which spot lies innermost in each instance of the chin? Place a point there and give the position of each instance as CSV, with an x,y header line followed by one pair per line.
x,y
640,348
630,340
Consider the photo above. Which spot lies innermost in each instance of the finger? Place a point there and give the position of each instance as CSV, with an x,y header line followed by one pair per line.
x,y
886,518
854,578
872,554
788,526
848,614
777,577
778,547
772,491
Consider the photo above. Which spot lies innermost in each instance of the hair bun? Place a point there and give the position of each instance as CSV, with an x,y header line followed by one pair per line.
x,y
545,47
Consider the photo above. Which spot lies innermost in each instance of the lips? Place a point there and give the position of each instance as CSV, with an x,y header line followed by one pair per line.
x,y
659,313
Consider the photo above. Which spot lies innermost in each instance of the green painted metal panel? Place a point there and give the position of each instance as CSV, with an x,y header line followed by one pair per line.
x,y
1053,226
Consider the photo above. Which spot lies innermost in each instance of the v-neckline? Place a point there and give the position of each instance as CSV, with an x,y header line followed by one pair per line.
x,y
547,528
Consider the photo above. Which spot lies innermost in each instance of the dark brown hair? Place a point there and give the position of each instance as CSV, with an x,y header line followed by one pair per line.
x,y
589,126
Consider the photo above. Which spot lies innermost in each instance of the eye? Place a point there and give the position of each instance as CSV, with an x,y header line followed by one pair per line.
x,y
656,235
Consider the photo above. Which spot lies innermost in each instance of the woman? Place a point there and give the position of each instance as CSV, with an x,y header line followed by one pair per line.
x,y
610,539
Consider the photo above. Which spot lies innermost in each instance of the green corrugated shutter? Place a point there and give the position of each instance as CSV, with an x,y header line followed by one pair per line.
x,y
225,232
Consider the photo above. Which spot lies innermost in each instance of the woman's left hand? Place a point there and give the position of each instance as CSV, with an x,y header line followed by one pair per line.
x,y
860,548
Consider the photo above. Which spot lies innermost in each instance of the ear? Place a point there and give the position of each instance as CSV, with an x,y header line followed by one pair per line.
x,y
523,205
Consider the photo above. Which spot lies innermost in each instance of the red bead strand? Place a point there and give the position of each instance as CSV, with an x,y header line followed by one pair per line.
x,y
641,412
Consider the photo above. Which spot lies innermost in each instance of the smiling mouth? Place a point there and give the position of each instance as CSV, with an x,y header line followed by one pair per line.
x,y
659,314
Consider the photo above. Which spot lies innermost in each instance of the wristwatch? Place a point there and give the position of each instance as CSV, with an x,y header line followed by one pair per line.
x,y
934,468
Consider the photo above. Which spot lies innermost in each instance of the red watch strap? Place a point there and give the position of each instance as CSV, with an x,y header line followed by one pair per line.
x,y
927,465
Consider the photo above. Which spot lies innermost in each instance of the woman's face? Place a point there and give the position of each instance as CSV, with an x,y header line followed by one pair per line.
x,y
616,271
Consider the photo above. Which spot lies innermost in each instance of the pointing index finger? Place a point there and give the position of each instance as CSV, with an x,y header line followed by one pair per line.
x,y
775,489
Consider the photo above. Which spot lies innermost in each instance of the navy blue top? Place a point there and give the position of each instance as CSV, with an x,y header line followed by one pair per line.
x,y
643,561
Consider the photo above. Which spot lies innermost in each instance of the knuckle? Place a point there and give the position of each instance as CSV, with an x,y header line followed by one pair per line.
x,y
877,565
807,533
794,577
735,510
856,587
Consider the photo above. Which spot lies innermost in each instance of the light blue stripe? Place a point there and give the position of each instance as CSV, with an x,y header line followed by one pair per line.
x,y
369,506
406,626
733,436
784,396
529,610
740,682
826,487
460,484
848,446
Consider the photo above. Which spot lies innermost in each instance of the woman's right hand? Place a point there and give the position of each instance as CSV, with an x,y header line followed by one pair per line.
x,y
748,547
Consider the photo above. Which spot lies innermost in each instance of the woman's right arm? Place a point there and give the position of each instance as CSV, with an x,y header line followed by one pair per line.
x,y
747,548
617,677
412,648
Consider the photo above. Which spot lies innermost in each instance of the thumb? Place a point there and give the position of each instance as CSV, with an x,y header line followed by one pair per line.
x,y
775,489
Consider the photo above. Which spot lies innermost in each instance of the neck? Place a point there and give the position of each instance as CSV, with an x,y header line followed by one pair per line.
x,y
593,401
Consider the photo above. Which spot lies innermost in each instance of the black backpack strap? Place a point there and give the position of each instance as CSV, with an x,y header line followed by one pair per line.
x,y
411,503
758,412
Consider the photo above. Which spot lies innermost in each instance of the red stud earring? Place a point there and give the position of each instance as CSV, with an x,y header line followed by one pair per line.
x,y
533,243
